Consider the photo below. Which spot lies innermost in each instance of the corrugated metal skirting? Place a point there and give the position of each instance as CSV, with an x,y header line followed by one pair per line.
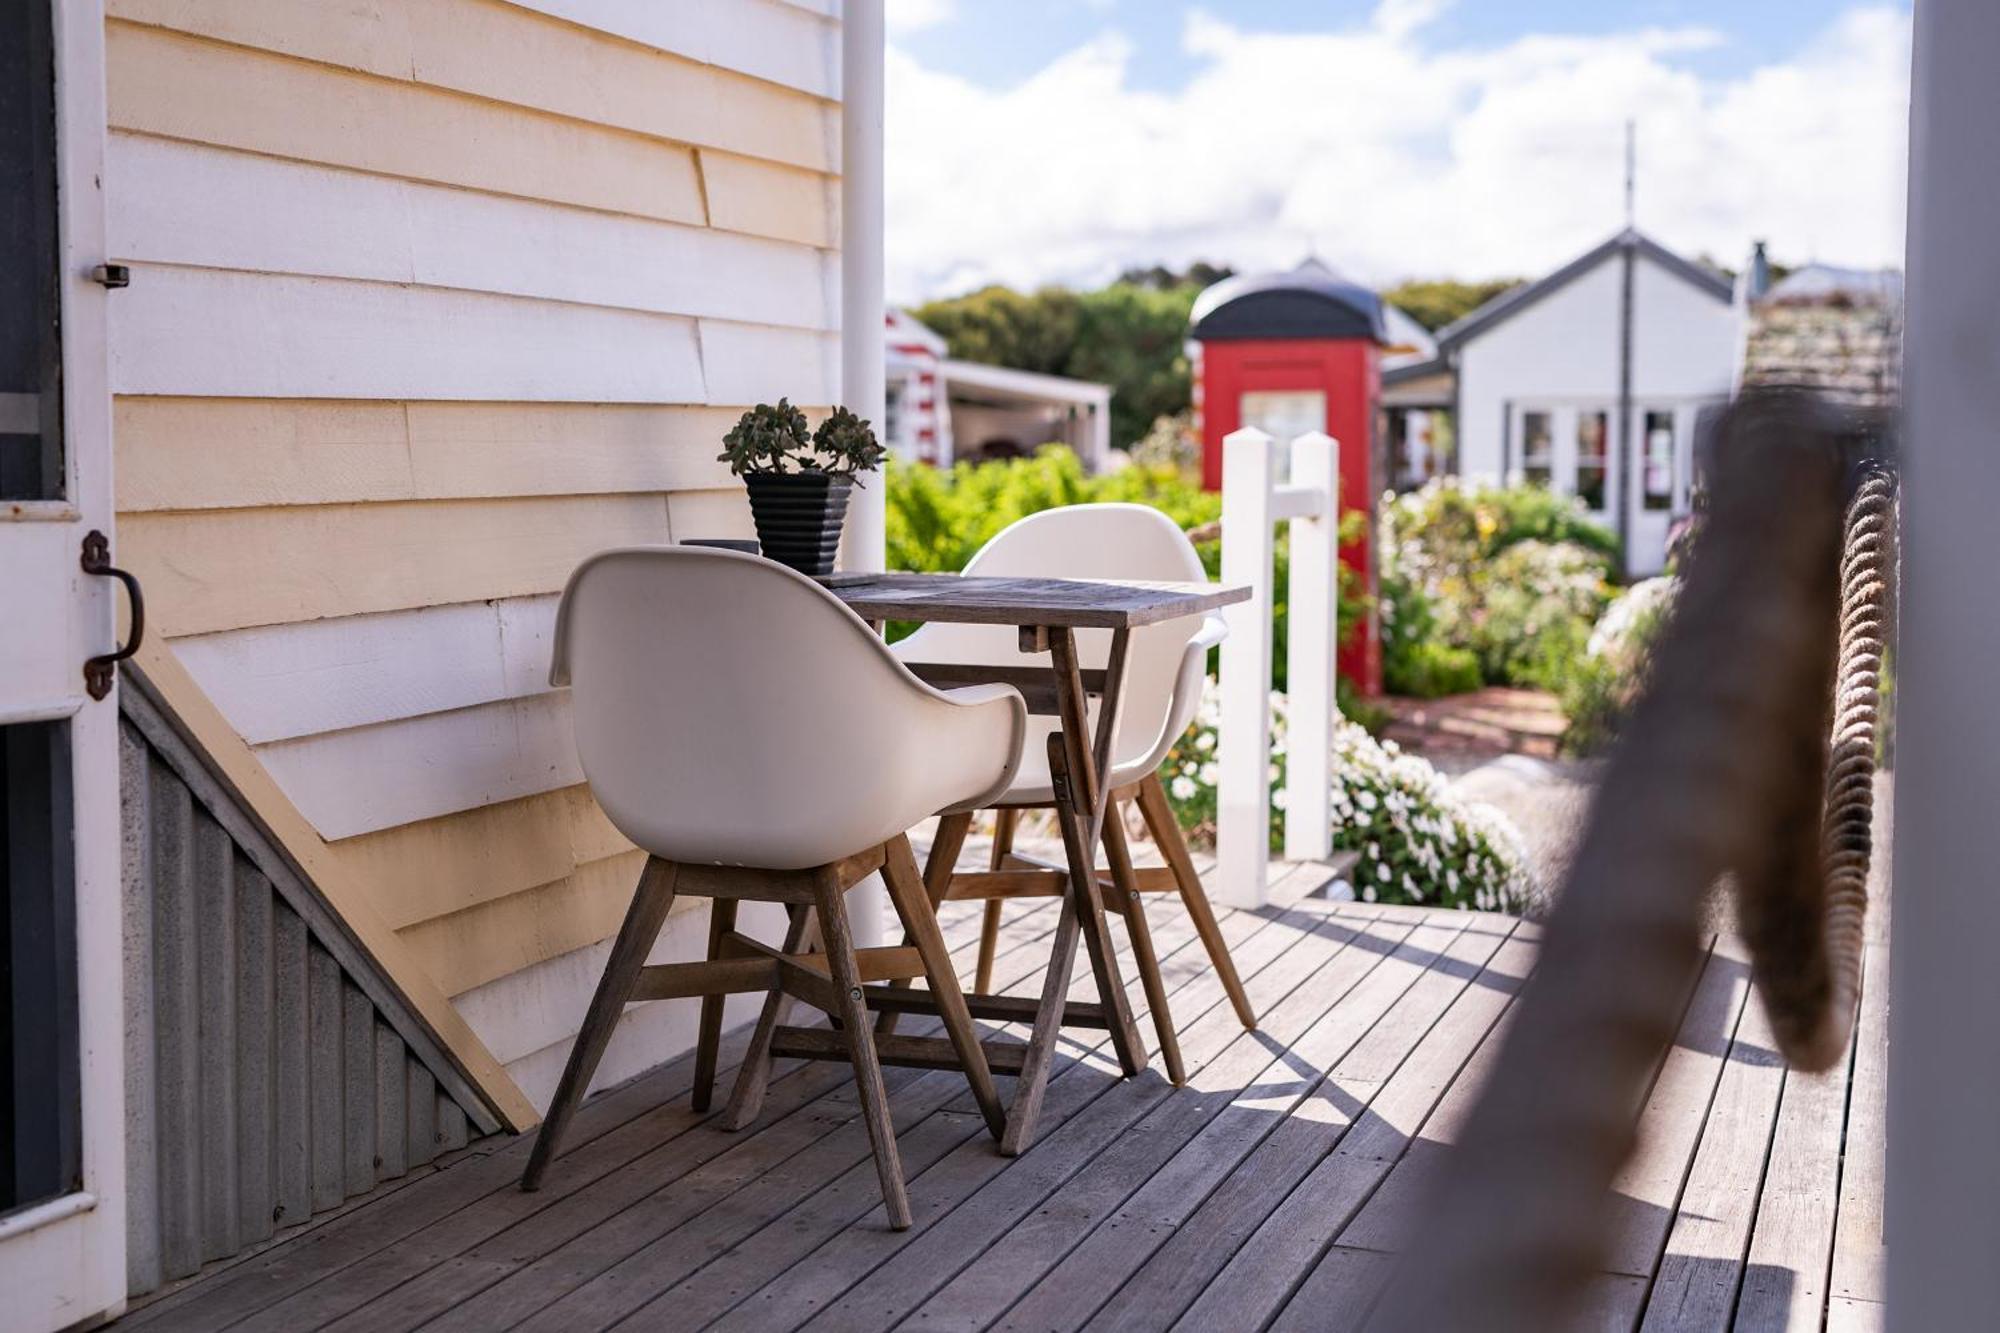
x,y
262,1082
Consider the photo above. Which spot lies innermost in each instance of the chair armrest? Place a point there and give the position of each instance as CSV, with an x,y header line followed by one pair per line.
x,y
1214,629
973,695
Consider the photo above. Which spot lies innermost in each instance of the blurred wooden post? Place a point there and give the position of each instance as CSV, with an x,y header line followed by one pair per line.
x,y
1243,793
1943,1200
1313,635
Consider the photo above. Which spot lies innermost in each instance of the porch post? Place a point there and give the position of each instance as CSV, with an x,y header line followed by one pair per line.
x,y
862,306
1942,1222
862,311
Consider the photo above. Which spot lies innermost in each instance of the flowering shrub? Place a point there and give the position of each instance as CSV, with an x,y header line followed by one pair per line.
x,y
1513,576
1418,842
1602,686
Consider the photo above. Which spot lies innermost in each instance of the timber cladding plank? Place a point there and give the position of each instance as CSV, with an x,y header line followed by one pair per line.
x,y
184,88
343,560
509,54
178,453
765,38
251,335
483,943
175,202
371,778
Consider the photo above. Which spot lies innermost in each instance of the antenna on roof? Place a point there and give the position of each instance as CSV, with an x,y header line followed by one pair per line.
x,y
1631,172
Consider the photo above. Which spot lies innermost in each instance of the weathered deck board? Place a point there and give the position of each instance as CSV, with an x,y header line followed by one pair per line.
x,y
1274,1190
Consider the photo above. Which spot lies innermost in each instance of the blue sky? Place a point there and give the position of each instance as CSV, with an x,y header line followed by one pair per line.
x,y
1000,42
1062,140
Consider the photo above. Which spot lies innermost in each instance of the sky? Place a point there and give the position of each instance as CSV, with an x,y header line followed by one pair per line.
x,y
1034,141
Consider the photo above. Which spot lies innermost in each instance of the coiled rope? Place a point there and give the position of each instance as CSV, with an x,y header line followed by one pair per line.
x,y
1725,768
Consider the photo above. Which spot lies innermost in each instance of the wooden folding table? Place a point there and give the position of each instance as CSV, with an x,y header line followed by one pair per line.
x,y
1047,613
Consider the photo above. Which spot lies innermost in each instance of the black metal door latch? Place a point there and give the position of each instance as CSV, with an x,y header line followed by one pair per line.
x,y
100,671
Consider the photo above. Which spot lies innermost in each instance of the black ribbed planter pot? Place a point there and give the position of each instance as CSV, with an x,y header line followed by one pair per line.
x,y
798,517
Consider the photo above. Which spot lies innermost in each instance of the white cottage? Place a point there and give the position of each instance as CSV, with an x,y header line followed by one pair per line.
x,y
1589,381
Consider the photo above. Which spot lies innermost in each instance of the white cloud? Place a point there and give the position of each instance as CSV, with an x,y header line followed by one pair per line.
x,y
1392,159
916,15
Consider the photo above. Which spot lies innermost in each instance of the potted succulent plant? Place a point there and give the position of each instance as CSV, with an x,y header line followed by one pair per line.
x,y
799,482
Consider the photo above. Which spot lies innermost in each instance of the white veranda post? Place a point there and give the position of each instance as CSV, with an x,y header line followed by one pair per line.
x,y
1253,502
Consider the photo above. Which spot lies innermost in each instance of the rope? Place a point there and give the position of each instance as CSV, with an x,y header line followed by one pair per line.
x,y
1725,767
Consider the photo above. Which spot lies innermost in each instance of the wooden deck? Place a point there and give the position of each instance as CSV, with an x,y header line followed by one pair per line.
x,y
1271,1191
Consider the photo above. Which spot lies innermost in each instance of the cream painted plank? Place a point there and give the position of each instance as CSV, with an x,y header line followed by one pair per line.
x,y
753,363
377,777
344,560
210,731
443,865
373,38
185,88
512,55
764,38
723,513
280,682
766,199
490,941
182,203
202,453
465,449
238,453
204,332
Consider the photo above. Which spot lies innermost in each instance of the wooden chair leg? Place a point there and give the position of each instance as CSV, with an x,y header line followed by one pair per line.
x,y
708,1041
830,898
754,1074
945,847
1004,820
906,891
1166,831
650,903
1144,960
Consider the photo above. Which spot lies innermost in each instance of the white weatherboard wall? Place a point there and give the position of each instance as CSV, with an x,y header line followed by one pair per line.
x,y
430,299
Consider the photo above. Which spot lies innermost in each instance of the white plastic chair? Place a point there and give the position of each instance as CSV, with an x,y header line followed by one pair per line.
x,y
759,741
1166,665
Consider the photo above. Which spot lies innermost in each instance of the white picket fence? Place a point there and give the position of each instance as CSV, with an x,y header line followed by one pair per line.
x,y
1257,495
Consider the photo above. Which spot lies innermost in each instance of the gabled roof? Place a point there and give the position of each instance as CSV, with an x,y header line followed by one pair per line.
x,y
1513,301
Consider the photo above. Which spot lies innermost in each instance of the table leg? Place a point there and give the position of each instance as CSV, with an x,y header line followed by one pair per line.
x,y
1082,790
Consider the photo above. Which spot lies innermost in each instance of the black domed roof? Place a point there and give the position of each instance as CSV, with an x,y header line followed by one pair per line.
x,y
1311,301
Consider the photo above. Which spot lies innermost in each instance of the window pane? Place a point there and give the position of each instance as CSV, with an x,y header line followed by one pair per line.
x,y
1659,491
1284,416
30,353
1593,433
1538,447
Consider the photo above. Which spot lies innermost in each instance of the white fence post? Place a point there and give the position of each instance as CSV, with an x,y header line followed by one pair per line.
x,y
1243,792
1309,655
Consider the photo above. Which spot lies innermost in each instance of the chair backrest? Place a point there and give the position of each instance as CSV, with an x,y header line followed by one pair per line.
x,y
730,711
1093,541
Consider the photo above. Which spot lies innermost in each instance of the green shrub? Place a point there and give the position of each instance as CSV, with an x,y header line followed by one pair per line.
x,y
1515,576
938,518
1432,670
1601,683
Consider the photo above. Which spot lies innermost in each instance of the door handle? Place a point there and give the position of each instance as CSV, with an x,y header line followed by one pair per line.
x,y
100,671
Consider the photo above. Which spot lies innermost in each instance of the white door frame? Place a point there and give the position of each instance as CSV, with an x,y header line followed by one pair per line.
x,y
63,1260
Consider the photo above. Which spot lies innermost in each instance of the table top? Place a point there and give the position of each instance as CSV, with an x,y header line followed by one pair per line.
x,y
1072,603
